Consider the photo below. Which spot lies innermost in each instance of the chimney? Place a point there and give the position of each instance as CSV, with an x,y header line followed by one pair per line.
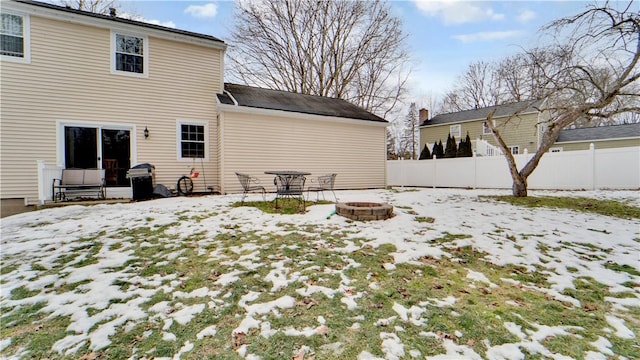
x,y
424,115
112,12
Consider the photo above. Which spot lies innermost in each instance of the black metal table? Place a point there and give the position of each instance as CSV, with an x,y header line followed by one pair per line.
x,y
289,184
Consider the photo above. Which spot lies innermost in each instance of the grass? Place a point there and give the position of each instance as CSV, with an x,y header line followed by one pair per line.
x,y
304,257
602,207
285,206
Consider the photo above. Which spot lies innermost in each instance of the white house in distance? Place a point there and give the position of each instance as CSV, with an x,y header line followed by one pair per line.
x,y
85,90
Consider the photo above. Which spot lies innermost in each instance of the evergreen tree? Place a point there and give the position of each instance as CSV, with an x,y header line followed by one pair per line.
x,y
425,154
468,149
452,148
438,150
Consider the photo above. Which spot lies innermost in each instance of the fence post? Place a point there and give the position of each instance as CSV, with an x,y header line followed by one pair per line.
x,y
592,163
435,171
41,192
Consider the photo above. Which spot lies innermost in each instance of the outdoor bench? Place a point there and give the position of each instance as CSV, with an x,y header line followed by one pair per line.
x,y
79,182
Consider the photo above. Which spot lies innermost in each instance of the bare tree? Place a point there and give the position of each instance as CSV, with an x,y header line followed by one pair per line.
x,y
353,50
476,88
593,74
94,6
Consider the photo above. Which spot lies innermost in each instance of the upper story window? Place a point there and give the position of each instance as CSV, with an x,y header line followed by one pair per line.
x,y
515,150
455,130
14,38
485,129
192,142
130,54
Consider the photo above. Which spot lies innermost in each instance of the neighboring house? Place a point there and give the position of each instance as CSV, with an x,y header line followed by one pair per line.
x,y
603,137
518,123
264,129
93,91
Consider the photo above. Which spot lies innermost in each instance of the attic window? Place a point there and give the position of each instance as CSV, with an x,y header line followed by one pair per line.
x,y
14,38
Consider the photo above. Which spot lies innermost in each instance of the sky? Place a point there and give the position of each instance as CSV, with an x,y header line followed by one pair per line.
x,y
105,241
444,37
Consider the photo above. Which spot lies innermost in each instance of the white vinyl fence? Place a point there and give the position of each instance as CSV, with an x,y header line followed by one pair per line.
x,y
568,170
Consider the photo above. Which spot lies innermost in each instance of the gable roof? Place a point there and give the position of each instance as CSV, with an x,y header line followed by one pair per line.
x,y
120,20
600,133
522,107
254,97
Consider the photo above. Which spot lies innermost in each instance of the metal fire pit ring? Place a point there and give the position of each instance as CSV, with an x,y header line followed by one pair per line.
x,y
364,211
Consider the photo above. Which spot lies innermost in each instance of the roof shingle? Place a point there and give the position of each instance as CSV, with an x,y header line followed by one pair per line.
x,y
600,133
288,101
522,107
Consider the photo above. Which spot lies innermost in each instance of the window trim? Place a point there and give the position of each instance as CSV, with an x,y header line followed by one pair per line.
x,y
459,127
26,39
145,55
179,124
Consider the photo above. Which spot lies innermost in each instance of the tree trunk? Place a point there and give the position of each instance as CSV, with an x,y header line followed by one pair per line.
x,y
519,188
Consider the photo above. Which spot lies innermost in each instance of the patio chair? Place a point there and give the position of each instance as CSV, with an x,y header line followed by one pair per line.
x,y
290,186
324,182
246,181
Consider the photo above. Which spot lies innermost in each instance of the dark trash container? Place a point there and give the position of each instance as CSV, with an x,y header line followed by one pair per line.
x,y
143,181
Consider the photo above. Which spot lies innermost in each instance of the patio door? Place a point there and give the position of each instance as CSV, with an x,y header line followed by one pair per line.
x,y
95,147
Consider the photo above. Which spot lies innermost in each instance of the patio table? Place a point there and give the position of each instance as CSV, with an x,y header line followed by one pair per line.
x,y
289,184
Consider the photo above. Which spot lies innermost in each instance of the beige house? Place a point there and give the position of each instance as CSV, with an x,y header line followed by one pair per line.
x,y
518,123
92,91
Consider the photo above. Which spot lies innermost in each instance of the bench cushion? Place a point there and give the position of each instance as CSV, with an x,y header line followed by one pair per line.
x,y
72,177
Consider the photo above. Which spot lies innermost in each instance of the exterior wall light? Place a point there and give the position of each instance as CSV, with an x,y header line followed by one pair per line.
x,y
146,133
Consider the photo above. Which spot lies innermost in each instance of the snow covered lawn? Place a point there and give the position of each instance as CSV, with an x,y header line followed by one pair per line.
x,y
453,275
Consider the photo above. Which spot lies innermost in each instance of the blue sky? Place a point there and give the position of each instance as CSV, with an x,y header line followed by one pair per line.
x,y
444,36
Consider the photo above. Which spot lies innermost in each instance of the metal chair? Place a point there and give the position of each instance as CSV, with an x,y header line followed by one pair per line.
x,y
245,181
290,186
324,182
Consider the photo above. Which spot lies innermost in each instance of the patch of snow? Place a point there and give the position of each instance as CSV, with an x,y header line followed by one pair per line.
x,y
622,331
392,347
478,276
209,331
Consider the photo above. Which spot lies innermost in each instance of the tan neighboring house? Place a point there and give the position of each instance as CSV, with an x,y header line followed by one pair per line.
x,y
602,137
92,91
518,123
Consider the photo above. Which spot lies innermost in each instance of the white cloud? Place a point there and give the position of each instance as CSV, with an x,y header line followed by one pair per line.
x,y
202,11
526,16
454,12
487,36
169,24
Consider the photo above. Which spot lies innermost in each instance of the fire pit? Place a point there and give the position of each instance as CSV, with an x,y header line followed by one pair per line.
x,y
364,211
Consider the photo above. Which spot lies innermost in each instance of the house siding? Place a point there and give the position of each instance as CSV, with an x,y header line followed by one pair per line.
x,y
255,143
599,144
69,80
521,131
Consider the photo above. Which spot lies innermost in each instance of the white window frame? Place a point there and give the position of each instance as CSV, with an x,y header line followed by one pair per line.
x,y
515,150
455,128
145,55
26,40
179,124
485,129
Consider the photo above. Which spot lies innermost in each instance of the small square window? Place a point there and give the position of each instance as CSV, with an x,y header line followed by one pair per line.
x,y
515,150
192,142
14,37
455,130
